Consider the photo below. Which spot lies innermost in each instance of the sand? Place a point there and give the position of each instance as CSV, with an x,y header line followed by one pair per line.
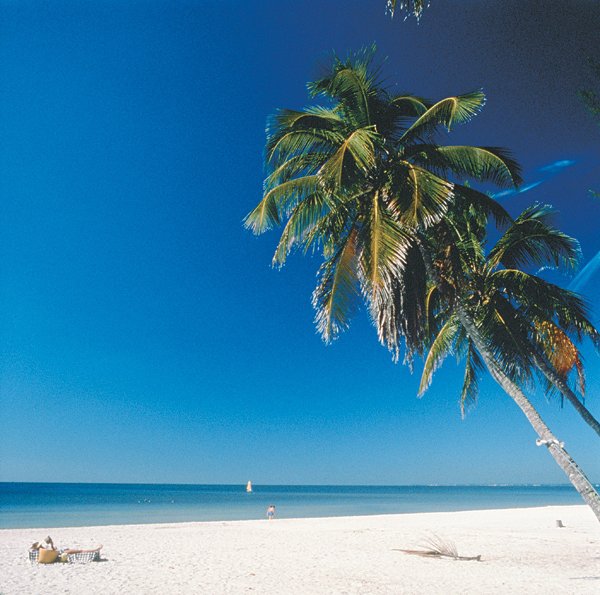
x,y
522,552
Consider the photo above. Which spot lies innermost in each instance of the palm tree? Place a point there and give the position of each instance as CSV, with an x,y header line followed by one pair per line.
x,y
505,319
535,323
362,179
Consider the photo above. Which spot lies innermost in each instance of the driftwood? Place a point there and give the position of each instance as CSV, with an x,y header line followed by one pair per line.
x,y
439,548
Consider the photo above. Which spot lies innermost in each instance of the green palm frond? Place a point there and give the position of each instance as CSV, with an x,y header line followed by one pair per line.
x,y
447,113
440,348
511,338
468,251
398,310
433,311
409,105
540,299
352,83
482,204
531,240
296,166
484,164
357,150
340,218
470,390
336,295
302,221
315,117
385,244
281,147
504,339
279,201
423,198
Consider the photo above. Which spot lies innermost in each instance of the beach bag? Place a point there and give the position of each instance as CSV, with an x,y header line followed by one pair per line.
x,y
47,556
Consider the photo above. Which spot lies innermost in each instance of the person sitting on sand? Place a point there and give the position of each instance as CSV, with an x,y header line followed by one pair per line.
x,y
48,552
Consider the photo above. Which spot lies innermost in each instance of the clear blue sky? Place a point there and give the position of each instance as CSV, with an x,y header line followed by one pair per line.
x,y
142,330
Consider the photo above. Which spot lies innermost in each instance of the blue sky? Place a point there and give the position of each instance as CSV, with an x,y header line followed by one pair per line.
x,y
143,332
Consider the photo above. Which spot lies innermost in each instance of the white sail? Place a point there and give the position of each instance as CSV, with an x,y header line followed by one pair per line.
x,y
249,486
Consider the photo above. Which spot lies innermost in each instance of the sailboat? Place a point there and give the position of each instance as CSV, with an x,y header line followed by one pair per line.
x,y
249,487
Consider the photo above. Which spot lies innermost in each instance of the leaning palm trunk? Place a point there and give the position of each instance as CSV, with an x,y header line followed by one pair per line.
x,y
576,476
552,377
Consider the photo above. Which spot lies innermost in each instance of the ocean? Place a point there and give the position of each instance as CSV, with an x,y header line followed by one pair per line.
x,y
28,505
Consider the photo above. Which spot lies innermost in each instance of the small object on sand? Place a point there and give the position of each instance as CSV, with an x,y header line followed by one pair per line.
x,y
559,524
438,548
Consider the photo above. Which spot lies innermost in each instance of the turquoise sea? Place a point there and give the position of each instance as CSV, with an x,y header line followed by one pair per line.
x,y
82,504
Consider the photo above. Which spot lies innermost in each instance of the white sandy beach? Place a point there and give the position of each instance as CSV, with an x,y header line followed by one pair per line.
x,y
522,552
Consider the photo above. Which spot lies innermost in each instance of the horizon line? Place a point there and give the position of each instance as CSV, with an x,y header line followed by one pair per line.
x,y
325,485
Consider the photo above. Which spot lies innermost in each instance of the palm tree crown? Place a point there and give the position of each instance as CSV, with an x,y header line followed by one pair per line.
x,y
355,178
524,319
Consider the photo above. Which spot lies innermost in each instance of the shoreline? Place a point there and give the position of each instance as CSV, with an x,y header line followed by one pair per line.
x,y
43,528
521,549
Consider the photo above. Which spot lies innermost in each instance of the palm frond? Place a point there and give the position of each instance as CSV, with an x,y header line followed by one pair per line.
x,y
352,84
357,150
432,306
482,203
447,112
335,297
398,310
409,105
298,165
385,245
302,220
473,368
281,147
505,336
422,199
484,164
279,201
439,350
540,299
531,240
310,118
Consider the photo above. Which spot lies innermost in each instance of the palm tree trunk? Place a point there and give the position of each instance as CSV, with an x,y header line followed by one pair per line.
x,y
563,387
556,448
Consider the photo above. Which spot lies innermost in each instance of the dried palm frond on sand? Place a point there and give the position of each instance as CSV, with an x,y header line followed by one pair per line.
x,y
436,547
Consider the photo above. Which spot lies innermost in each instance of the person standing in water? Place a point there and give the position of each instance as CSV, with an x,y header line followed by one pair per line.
x,y
271,512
